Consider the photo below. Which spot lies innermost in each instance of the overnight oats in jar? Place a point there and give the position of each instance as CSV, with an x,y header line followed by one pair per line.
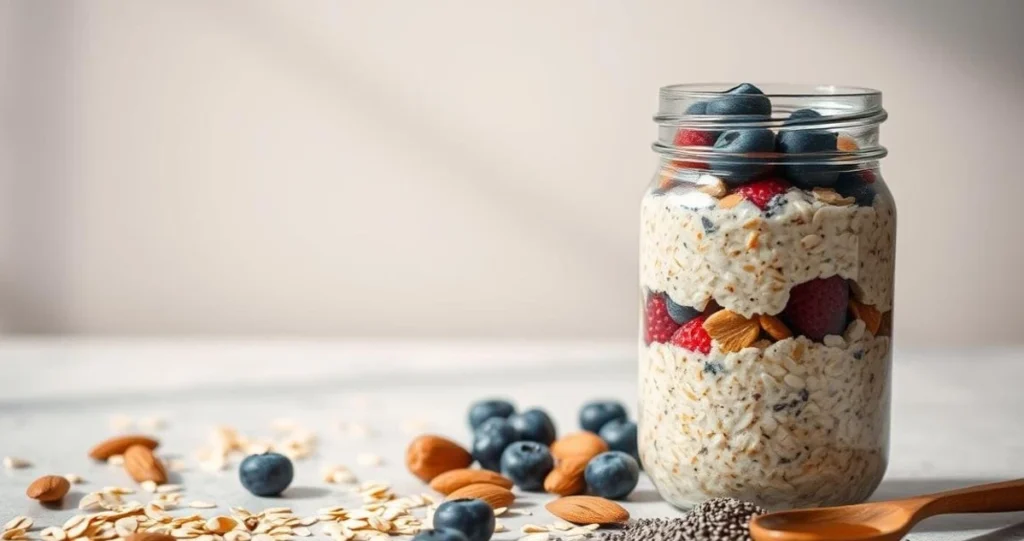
x,y
766,271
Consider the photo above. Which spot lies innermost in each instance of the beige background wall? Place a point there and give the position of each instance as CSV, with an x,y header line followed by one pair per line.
x,y
456,168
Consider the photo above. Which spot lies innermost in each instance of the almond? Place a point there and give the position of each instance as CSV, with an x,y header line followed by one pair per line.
x,y
429,456
48,488
567,477
495,496
450,481
774,327
870,315
846,143
831,197
150,536
730,201
732,331
587,510
142,465
585,444
120,444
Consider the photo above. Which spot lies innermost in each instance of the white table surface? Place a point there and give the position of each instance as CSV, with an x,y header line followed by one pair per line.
x,y
958,416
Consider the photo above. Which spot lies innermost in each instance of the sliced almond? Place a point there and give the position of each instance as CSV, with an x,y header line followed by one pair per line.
x,y
732,331
582,443
774,327
494,495
846,143
587,510
870,315
714,188
831,197
730,201
566,479
450,481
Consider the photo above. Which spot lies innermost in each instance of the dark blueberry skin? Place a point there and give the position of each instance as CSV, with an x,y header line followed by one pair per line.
x,y
699,108
737,172
680,313
594,415
534,425
612,475
803,141
527,463
745,99
485,409
621,436
490,440
446,534
267,474
853,185
472,517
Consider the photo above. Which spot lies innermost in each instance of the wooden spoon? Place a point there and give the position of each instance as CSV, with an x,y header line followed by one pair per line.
x,y
885,521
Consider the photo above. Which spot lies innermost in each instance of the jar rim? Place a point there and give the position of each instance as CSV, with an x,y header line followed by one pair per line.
x,y
771,90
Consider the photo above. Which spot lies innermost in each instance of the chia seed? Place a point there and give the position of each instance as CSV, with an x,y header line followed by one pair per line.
x,y
719,519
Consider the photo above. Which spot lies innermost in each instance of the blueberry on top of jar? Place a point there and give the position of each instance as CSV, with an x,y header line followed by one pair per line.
x,y
745,99
736,170
807,141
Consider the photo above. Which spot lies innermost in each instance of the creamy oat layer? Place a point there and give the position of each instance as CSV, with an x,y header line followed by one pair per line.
x,y
748,260
795,424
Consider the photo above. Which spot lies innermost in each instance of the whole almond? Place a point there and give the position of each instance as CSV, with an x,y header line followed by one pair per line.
x,y
48,488
567,477
495,496
870,315
585,444
732,331
118,445
150,536
429,456
774,327
142,465
587,510
450,481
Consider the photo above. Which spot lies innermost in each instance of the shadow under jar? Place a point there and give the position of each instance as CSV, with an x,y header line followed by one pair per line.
x,y
766,272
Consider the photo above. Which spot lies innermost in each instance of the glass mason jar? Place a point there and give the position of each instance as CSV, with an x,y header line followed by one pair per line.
x,y
766,269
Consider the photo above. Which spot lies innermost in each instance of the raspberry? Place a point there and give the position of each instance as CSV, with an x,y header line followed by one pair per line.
x,y
761,192
658,325
694,138
692,336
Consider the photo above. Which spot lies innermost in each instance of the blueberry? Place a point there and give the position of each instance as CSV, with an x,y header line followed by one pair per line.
x,y
852,184
594,415
739,169
621,436
473,518
745,99
680,313
485,409
806,141
612,475
267,474
446,534
534,425
490,440
527,463
698,108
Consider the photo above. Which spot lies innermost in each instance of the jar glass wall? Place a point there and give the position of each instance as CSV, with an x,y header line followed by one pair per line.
x,y
766,275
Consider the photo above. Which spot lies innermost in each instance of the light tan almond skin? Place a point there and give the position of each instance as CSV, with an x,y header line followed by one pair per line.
x,y
584,443
494,495
142,465
774,327
149,536
587,510
48,488
732,331
870,315
567,478
450,481
429,456
118,445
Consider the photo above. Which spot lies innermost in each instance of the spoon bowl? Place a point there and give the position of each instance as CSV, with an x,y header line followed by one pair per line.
x,y
884,521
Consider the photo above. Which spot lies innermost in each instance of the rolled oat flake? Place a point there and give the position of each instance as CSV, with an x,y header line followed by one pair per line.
x,y
718,519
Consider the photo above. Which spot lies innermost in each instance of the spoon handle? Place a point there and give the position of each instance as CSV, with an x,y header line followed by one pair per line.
x,y
990,498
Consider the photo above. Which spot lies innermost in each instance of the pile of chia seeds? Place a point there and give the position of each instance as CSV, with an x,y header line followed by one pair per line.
x,y
719,519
